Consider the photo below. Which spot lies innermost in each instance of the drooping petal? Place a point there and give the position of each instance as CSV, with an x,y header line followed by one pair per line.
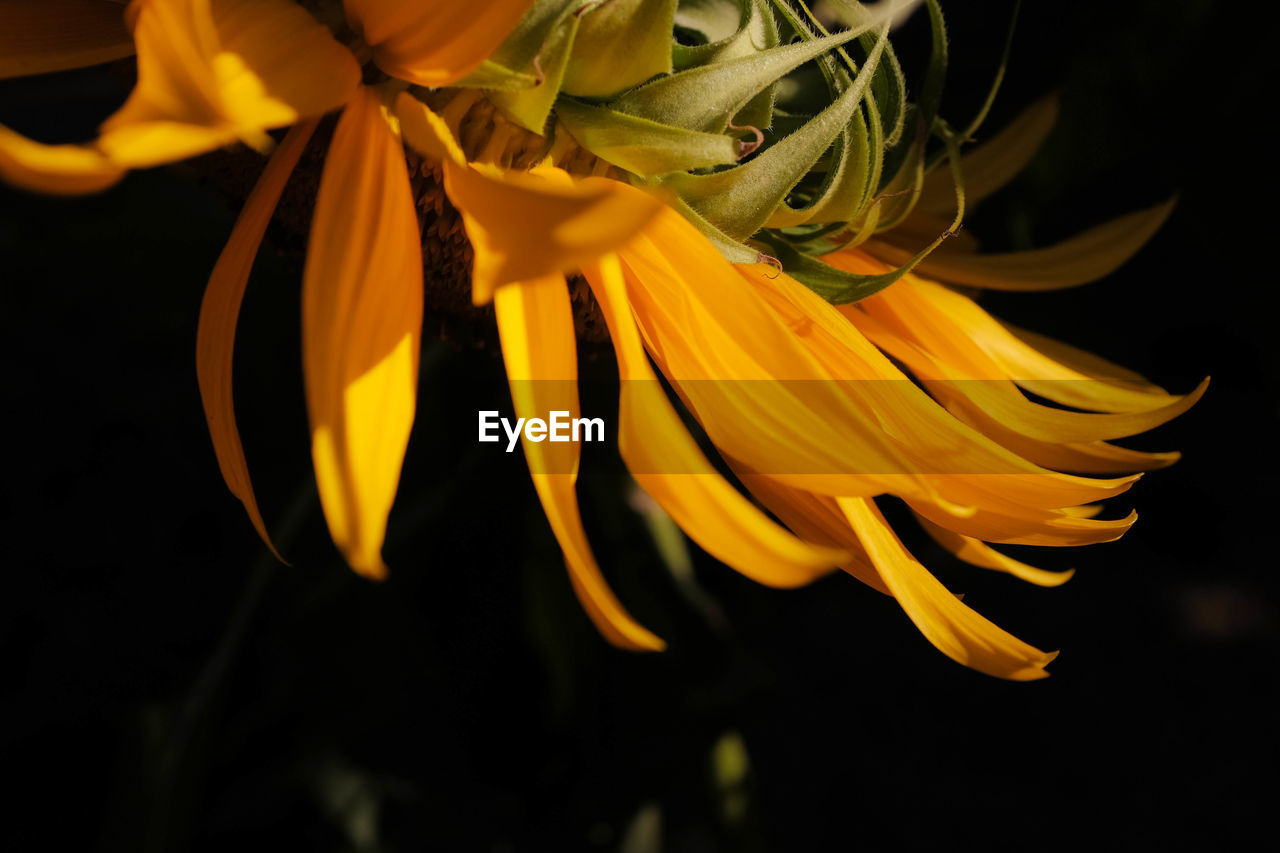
x,y
999,411
741,370
954,463
38,36
533,224
361,325
666,462
535,323
1107,387
212,72
1007,524
817,518
1086,257
1053,370
437,42
216,333
978,553
58,169
953,628
1045,367
904,322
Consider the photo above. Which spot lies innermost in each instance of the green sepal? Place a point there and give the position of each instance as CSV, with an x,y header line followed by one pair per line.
x,y
643,147
620,44
739,200
529,108
718,23
706,97
756,30
841,288
841,196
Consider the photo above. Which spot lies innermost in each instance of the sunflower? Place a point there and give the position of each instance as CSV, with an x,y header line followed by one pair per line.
x,y
757,209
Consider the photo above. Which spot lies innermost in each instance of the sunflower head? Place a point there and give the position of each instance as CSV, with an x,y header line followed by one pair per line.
x,y
776,137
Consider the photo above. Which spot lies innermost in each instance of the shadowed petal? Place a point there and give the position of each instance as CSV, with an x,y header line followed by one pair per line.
x,y
216,333
38,36
993,163
1079,260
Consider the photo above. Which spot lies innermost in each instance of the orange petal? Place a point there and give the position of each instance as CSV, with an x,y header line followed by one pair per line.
x,y
666,462
533,224
216,333
38,36
953,628
361,325
535,322
437,42
58,169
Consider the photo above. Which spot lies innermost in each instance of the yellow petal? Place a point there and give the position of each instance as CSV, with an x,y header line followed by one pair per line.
x,y
1070,526
1041,362
38,36
361,325
817,518
59,169
953,628
426,132
1045,367
978,553
1079,260
437,42
212,72
533,224
535,322
970,401
743,371
216,333
920,332
952,461
666,462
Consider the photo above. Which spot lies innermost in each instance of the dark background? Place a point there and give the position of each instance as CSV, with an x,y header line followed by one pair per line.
x,y
168,687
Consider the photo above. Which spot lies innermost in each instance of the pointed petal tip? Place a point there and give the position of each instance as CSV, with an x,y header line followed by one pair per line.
x,y
369,566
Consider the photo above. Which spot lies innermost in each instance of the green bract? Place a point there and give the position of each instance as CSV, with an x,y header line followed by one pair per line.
x,y
776,137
